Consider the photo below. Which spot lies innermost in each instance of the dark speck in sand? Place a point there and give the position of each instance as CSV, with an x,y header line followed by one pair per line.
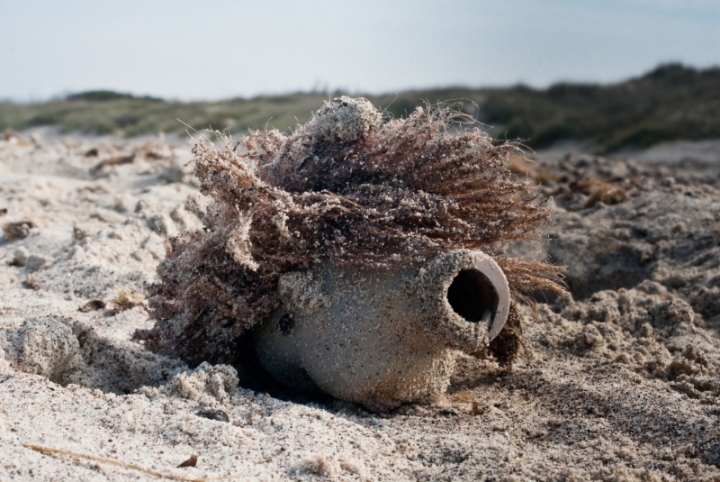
x,y
218,415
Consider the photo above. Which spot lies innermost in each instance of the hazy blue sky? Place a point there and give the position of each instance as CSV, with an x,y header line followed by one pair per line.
x,y
220,48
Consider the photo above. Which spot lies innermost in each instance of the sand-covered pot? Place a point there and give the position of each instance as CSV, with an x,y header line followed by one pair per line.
x,y
382,337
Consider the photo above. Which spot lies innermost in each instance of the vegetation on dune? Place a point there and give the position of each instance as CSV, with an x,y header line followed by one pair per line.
x,y
671,102
131,116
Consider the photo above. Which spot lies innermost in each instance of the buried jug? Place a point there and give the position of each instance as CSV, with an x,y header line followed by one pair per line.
x,y
382,338
350,188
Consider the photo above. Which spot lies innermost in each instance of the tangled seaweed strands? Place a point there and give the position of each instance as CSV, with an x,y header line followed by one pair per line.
x,y
345,187
526,277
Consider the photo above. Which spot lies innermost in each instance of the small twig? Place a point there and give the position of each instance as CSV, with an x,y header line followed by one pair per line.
x,y
114,161
53,452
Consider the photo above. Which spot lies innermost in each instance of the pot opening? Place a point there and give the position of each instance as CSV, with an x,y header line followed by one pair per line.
x,y
473,296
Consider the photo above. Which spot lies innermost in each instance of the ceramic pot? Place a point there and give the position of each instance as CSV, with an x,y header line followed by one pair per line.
x,y
382,338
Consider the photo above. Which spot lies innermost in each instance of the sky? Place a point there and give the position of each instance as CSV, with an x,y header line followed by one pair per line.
x,y
218,49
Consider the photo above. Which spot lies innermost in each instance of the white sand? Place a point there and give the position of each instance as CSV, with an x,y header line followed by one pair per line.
x,y
613,391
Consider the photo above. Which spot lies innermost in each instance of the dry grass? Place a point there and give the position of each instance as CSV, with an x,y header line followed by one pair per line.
x,y
348,187
126,300
522,166
601,191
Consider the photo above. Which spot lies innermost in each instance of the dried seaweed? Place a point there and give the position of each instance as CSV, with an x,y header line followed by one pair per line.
x,y
127,300
507,347
349,187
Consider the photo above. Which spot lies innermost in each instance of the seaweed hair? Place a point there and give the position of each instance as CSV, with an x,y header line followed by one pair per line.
x,y
350,187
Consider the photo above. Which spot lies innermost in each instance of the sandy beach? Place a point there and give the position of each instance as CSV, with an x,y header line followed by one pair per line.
x,y
620,381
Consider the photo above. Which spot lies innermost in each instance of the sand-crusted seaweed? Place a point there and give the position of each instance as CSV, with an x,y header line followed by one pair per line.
x,y
348,186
